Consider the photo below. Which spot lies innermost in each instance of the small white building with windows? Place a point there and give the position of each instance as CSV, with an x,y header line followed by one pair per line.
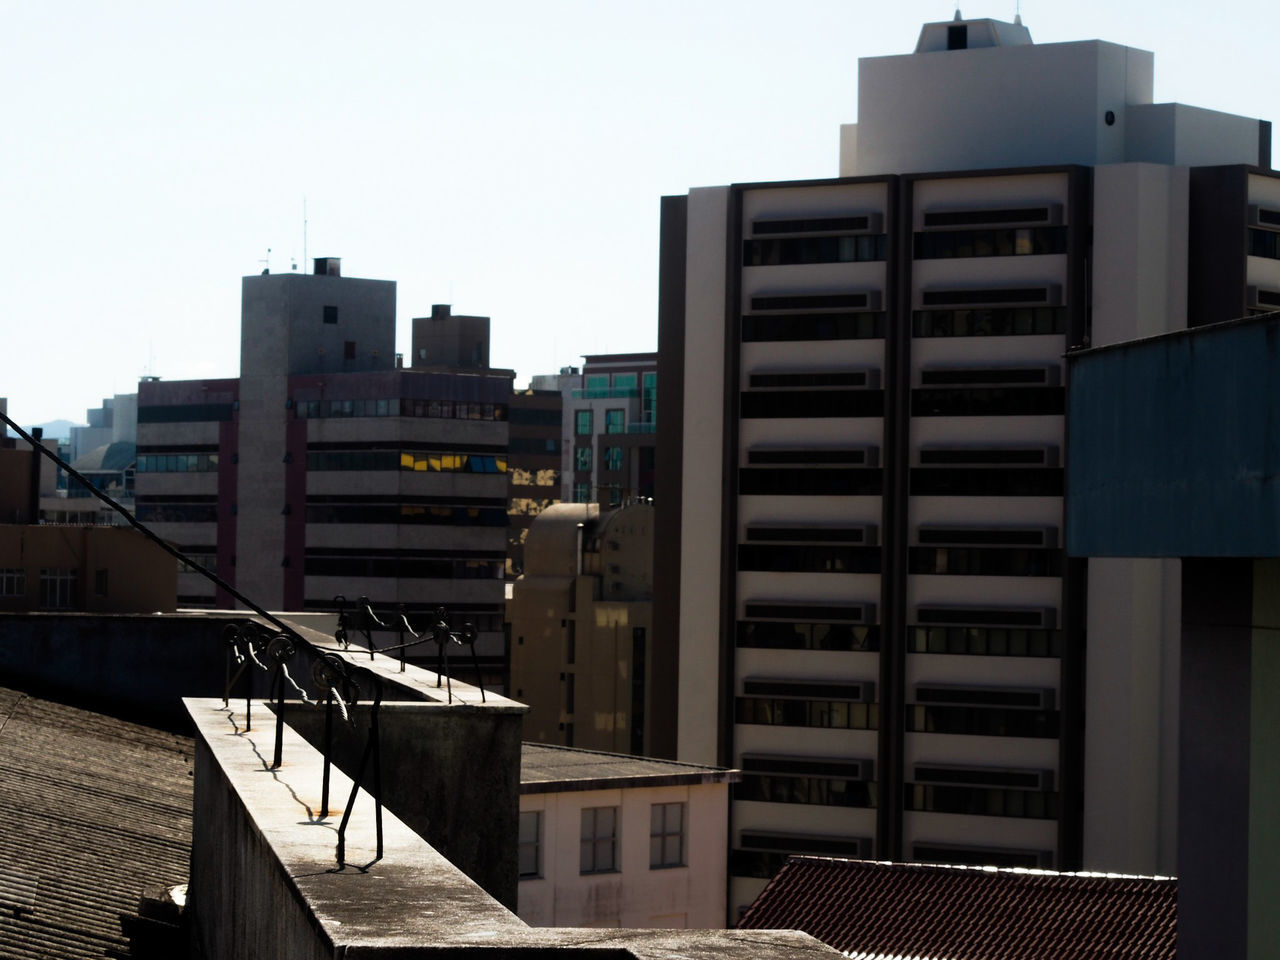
x,y
610,840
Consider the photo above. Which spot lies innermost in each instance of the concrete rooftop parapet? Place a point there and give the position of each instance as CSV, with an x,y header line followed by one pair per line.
x,y
265,881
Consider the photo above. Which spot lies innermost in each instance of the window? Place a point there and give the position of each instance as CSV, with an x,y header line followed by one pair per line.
x,y
530,847
582,493
582,423
582,458
613,458
624,381
13,582
666,835
599,840
57,587
615,494
615,421
330,314
649,398
100,582
598,381
348,350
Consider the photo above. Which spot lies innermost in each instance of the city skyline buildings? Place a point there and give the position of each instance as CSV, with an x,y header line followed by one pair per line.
x,y
144,182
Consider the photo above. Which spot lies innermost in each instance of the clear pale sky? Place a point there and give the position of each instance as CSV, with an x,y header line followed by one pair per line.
x,y
504,157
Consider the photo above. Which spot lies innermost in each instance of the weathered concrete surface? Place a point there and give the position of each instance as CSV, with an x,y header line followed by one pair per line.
x,y
264,881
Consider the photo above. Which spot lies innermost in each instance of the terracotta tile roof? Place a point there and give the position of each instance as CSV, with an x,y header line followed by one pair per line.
x,y
899,910
98,812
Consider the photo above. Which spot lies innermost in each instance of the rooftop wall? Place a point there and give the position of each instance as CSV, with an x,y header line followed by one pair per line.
x,y
1175,445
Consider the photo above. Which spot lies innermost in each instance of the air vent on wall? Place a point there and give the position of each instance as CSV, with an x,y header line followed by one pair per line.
x,y
809,766
810,457
1043,295
811,379
1038,456
851,300
851,223
952,695
984,776
1029,617
1264,217
1047,215
1260,298
810,612
988,536
858,691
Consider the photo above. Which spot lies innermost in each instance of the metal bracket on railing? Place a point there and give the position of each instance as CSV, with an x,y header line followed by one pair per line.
x,y
372,748
443,636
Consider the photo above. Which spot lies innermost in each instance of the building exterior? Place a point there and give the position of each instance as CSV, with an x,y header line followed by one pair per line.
x,y
534,418
116,421
580,619
610,423
877,620
327,468
617,841
98,569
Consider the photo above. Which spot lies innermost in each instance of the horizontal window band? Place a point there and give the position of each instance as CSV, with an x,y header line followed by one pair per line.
x,y
838,713
821,791
812,224
856,457
150,498
809,534
998,242
810,404
958,218
405,554
983,721
1001,561
798,327
394,446
984,641
962,616
178,448
982,801
808,558
859,692
815,481
988,402
979,482
989,322
395,500
806,635
789,251
840,378
957,376
816,301
184,413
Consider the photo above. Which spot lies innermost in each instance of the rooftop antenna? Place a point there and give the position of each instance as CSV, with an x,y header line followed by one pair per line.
x,y
1017,12
266,263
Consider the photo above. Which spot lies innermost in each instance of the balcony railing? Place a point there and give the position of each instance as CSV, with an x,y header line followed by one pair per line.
x,y
606,393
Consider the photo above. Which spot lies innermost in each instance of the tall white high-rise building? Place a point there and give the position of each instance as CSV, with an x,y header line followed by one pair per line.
x,y
861,453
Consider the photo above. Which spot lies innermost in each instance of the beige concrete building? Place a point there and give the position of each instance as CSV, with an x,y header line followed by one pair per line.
x,y
581,624
617,841
99,569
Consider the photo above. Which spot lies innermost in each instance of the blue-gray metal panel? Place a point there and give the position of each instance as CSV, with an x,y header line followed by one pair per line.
x,y
1174,445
